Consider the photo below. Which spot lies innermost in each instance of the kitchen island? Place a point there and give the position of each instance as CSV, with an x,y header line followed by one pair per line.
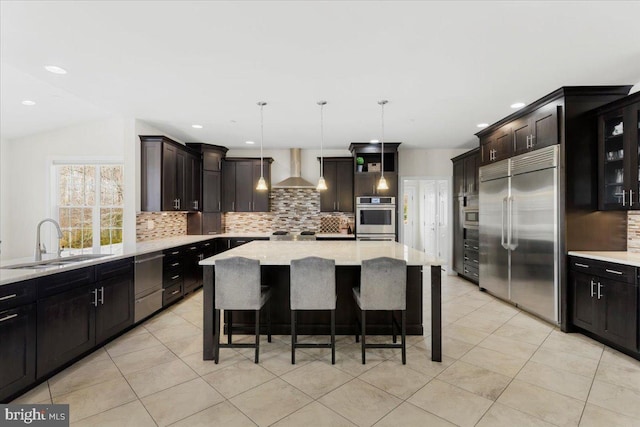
x,y
275,258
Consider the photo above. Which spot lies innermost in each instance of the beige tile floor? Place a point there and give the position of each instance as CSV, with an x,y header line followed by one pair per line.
x,y
501,367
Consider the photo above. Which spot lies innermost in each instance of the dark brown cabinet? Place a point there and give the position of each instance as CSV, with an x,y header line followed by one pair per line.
x,y
17,337
75,312
239,180
170,175
497,145
66,327
605,301
536,130
618,152
211,188
465,197
338,174
365,183
115,304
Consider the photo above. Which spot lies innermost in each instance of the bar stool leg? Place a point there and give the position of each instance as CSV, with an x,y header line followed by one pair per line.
x,y
359,325
257,335
393,327
216,335
230,326
363,329
333,337
404,337
293,337
269,320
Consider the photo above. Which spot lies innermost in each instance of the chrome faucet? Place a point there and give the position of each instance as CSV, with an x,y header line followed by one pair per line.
x,y
40,248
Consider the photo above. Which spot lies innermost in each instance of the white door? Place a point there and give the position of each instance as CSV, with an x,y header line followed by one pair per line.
x,y
443,219
430,217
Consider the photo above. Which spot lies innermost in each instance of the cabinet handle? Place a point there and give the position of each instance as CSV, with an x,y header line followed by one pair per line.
x,y
475,247
102,295
599,288
193,248
466,246
334,206
338,204
577,264
466,258
476,274
8,297
175,264
152,258
95,297
528,137
630,198
207,244
233,206
175,252
624,194
175,277
175,292
613,271
219,207
254,206
532,138
475,260
11,316
592,285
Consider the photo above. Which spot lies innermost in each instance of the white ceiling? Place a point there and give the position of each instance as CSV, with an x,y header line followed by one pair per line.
x,y
444,66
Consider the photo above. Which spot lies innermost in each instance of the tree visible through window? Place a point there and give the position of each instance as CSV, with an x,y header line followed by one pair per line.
x,y
90,205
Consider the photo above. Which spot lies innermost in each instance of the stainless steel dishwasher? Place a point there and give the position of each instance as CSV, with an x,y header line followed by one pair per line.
x,y
148,284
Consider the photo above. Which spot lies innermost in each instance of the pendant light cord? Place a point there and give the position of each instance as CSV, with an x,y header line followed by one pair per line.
x,y
382,103
322,103
261,104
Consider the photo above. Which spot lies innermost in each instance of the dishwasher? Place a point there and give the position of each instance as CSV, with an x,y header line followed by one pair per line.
x,y
148,284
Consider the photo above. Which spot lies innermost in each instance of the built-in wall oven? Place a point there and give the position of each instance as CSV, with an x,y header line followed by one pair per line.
x,y
375,218
471,217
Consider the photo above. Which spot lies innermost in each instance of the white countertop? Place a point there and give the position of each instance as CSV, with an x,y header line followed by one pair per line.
x,y
344,252
618,257
8,276
336,235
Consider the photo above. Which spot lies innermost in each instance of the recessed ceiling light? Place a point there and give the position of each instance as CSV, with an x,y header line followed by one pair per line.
x,y
28,102
482,125
196,126
518,105
374,141
249,142
55,69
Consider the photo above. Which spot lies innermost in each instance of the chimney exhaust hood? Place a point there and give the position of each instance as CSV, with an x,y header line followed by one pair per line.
x,y
295,180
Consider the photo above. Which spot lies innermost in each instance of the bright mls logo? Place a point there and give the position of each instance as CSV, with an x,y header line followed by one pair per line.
x,y
36,415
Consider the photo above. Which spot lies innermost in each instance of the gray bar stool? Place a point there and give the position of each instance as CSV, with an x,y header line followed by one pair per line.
x,y
313,287
383,286
237,287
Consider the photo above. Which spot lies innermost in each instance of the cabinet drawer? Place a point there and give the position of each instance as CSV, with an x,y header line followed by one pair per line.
x,y
471,245
472,234
471,258
172,293
114,268
172,277
56,283
17,294
471,271
172,263
619,272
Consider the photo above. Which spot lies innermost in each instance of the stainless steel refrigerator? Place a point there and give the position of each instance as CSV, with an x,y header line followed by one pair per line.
x,y
519,237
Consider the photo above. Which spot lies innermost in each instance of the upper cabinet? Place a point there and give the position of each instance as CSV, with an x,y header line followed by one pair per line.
x,y
465,173
618,151
239,179
338,174
366,178
169,175
210,177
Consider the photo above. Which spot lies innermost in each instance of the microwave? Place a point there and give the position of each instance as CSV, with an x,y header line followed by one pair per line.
x,y
471,218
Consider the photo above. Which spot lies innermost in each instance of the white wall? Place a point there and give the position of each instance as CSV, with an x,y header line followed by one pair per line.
x,y
434,162
26,176
4,189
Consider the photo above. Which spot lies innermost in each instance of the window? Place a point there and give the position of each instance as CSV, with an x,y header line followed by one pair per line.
x,y
89,204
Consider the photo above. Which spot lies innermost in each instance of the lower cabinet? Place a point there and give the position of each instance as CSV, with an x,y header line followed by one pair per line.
x,y
17,349
66,327
114,312
603,305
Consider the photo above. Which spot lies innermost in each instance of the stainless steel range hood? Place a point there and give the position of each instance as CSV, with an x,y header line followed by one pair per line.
x,y
295,180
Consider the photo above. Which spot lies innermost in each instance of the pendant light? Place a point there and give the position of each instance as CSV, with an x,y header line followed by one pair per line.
x,y
262,184
382,184
322,185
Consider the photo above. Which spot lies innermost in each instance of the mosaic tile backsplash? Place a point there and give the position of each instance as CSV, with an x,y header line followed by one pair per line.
x,y
159,225
633,231
292,209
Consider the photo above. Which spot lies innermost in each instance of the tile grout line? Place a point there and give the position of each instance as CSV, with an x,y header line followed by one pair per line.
x,y
593,380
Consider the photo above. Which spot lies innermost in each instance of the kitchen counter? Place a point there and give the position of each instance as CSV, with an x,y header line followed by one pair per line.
x,y
618,257
8,276
344,253
335,236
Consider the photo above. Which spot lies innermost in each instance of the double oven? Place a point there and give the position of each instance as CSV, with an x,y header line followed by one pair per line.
x,y
376,218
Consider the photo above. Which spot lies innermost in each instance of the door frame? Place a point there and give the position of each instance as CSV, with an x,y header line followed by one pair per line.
x,y
449,262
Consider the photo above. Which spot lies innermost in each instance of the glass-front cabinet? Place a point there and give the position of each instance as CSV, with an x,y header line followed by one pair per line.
x,y
619,150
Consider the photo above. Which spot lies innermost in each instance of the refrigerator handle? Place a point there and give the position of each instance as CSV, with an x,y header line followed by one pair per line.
x,y
510,235
502,233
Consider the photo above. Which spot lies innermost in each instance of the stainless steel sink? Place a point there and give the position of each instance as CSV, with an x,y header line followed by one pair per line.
x,y
56,262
